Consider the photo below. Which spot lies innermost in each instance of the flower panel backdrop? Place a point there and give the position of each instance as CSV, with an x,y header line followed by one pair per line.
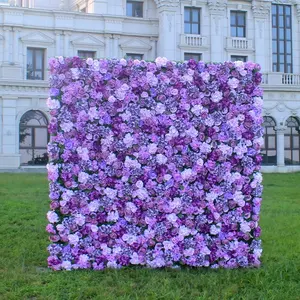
x,y
154,164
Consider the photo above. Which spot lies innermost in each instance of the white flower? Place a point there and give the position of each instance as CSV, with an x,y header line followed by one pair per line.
x,y
53,103
152,148
128,140
200,162
139,184
52,217
111,158
112,216
131,207
239,63
205,76
161,159
94,206
89,61
161,61
172,218
168,245
83,153
94,228
216,96
123,62
214,230
79,219
160,108
197,109
233,83
132,163
111,193
135,259
66,126
129,238
192,132
73,239
187,174
83,177
188,252
66,265
184,231
145,114
245,227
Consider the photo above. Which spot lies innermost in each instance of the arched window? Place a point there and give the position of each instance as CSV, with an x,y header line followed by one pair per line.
x,y
269,148
34,138
292,142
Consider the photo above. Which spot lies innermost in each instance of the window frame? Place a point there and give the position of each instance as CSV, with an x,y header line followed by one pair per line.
x,y
191,20
236,25
34,49
192,54
134,54
134,3
245,58
87,51
289,133
32,129
276,66
271,124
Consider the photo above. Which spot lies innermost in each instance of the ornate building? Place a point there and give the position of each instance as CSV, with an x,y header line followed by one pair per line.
x,y
32,31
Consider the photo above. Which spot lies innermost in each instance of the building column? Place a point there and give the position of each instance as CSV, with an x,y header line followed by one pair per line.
x,y
6,44
153,48
280,145
10,157
16,46
67,43
108,51
217,11
57,43
116,52
167,44
262,26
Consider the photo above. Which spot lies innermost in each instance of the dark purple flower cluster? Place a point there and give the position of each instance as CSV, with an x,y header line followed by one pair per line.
x,y
154,164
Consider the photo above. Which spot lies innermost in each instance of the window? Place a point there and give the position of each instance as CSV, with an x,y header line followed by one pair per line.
x,y
238,24
238,57
292,142
269,148
35,63
86,54
282,38
192,20
134,56
195,56
134,9
33,138
4,2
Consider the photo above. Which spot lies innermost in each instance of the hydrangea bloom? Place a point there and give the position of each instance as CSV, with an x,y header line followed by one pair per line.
x,y
154,164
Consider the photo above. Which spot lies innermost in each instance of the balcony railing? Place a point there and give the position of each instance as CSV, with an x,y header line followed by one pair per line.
x,y
281,79
239,43
193,40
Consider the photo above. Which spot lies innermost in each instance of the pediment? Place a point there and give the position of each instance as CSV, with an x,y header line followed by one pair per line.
x,y
37,37
87,40
136,44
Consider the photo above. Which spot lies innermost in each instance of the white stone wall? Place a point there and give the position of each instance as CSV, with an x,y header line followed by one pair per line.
x,y
59,28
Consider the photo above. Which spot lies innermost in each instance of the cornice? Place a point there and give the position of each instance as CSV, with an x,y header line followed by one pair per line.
x,y
166,3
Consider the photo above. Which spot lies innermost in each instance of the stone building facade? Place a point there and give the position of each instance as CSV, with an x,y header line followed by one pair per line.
x,y
32,31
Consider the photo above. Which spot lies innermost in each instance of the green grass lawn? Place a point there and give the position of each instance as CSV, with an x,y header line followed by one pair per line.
x,y
24,274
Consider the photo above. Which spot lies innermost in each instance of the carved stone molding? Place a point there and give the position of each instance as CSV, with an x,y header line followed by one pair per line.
x,y
217,6
166,3
261,9
280,129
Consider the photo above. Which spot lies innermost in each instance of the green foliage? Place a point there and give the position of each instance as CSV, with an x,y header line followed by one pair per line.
x,y
24,274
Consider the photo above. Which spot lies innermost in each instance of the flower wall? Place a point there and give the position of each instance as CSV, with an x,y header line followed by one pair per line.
x,y
154,164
